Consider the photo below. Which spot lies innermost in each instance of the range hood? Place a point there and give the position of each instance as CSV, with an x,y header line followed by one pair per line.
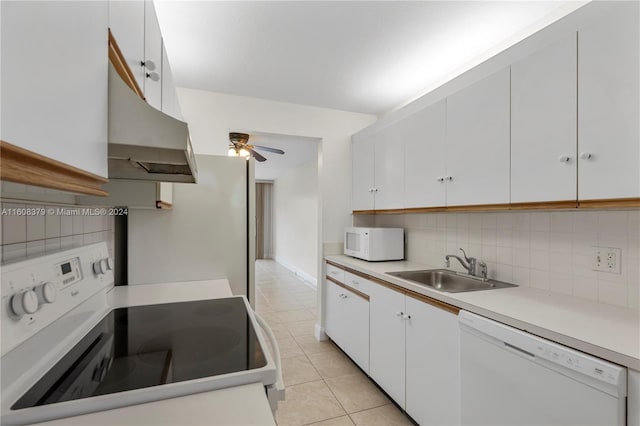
x,y
144,143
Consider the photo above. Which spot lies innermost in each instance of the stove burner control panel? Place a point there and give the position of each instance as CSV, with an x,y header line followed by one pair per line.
x,y
36,292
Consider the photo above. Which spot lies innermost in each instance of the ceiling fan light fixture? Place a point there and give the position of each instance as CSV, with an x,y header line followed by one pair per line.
x,y
243,153
232,152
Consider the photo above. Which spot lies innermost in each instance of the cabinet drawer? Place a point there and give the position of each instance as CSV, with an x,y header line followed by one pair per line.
x,y
335,273
361,284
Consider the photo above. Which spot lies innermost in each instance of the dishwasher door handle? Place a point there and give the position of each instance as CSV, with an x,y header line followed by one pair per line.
x,y
517,349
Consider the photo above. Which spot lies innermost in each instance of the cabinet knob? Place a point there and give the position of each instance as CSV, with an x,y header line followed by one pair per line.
x,y
399,314
148,64
564,159
153,76
448,178
375,189
586,155
406,316
440,179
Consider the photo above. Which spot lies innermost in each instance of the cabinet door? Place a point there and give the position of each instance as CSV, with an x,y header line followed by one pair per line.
x,y
424,157
54,80
433,371
126,21
608,104
478,142
543,124
362,178
386,356
356,326
169,99
334,320
152,56
389,168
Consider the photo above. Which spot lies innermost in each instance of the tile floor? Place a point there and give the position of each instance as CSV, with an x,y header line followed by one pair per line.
x,y
323,386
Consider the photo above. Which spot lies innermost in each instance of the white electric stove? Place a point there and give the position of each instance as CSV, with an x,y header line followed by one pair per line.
x,y
67,350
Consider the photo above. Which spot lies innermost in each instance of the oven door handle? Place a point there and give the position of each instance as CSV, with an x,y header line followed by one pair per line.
x,y
276,391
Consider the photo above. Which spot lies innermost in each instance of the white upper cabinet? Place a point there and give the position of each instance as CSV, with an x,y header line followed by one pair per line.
x,y
543,124
362,172
389,168
424,157
54,80
126,21
152,56
169,98
478,142
608,105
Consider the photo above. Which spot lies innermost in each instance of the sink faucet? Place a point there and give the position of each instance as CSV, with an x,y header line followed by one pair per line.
x,y
469,265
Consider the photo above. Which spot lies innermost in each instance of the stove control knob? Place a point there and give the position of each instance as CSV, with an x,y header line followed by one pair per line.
x,y
103,265
46,293
23,303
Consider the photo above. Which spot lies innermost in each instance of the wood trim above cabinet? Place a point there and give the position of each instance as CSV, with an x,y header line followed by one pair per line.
x,y
348,288
164,205
122,68
609,203
541,205
433,302
20,165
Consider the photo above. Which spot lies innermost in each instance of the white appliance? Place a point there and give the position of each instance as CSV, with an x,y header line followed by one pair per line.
x,y
68,350
374,244
209,233
510,377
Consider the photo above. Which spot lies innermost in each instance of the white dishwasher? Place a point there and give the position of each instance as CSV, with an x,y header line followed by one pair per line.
x,y
510,377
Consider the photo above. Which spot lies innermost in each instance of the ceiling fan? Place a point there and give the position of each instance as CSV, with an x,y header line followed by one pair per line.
x,y
239,146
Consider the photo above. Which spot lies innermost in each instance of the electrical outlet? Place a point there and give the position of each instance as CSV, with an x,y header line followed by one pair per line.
x,y
607,259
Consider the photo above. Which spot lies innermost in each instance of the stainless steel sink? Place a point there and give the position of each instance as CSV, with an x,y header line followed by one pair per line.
x,y
449,281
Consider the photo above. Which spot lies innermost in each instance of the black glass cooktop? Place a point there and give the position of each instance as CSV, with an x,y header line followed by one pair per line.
x,y
145,346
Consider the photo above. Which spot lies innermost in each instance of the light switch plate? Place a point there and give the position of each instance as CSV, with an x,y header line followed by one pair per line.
x,y
607,259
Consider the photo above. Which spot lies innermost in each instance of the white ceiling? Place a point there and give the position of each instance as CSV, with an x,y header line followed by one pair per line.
x,y
361,56
298,150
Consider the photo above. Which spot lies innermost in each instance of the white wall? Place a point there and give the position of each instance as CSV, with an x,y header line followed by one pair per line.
x,y
212,115
295,220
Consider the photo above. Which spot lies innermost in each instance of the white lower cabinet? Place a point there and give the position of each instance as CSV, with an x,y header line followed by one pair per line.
x,y
415,356
432,364
387,362
347,322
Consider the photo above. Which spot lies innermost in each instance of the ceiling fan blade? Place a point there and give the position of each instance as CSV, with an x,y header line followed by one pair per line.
x,y
257,156
269,149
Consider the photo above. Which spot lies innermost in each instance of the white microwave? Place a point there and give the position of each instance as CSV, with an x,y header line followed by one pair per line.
x,y
374,244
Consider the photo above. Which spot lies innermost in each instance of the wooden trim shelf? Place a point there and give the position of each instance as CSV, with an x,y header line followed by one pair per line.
x,y
164,205
122,68
541,205
20,165
609,203
418,296
348,288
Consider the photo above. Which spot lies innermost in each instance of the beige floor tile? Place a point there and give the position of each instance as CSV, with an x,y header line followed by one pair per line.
x,y
289,348
310,345
280,331
283,305
298,369
295,315
333,364
308,403
270,317
356,392
302,328
387,415
338,421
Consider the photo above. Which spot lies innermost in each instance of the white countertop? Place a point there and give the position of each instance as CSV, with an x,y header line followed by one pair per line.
x,y
240,405
605,331
153,294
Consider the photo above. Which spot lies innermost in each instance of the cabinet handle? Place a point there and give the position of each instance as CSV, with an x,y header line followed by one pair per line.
x,y
399,314
564,159
148,64
334,272
586,155
153,76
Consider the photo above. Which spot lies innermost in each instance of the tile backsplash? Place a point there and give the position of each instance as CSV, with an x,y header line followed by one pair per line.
x,y
551,251
31,230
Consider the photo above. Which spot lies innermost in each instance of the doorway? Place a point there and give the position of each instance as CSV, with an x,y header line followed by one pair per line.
x,y
264,221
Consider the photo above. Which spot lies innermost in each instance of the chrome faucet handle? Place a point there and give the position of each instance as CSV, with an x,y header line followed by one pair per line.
x,y
465,255
447,262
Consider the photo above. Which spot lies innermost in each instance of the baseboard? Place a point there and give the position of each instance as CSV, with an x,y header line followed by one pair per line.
x,y
319,333
312,281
